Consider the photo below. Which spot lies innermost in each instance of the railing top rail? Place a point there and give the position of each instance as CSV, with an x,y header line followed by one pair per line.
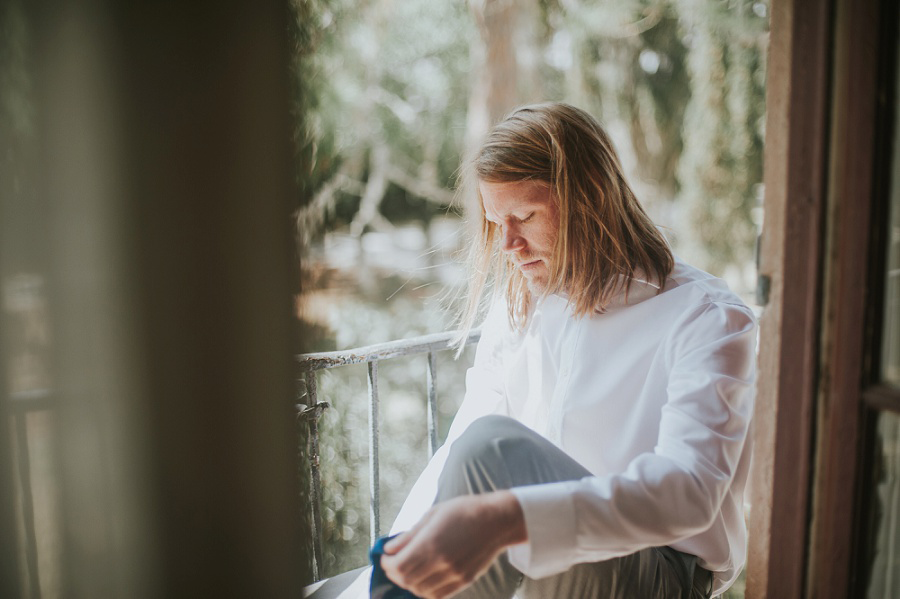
x,y
382,351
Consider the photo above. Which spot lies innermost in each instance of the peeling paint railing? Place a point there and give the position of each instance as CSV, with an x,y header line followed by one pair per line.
x,y
309,413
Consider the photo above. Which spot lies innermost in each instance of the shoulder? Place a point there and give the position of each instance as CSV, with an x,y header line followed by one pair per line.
x,y
708,312
696,291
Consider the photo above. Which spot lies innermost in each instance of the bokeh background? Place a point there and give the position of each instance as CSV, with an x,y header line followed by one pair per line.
x,y
395,92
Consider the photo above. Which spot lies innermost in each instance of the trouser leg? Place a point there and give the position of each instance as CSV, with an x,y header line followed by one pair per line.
x,y
497,453
652,573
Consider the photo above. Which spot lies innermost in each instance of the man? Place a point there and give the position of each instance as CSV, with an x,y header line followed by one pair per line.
x,y
602,448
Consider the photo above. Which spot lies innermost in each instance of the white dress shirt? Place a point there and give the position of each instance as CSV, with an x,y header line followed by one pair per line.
x,y
653,397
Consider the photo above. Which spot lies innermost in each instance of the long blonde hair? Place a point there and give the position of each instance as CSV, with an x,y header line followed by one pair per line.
x,y
604,239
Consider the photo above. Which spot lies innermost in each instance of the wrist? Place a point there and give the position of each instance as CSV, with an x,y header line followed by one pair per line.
x,y
509,518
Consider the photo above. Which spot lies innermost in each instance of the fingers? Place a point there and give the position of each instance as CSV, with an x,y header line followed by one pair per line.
x,y
399,542
416,567
436,583
403,539
405,566
430,574
440,585
450,547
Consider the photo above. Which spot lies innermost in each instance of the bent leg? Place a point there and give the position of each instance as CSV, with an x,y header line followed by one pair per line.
x,y
497,453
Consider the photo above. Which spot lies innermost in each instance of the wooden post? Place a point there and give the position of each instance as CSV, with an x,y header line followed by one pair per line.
x,y
861,137
790,257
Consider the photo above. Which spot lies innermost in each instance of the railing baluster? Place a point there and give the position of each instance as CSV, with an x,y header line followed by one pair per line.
x,y
312,394
432,404
374,494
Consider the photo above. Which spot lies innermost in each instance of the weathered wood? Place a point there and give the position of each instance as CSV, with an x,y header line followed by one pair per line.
x,y
311,415
855,130
795,160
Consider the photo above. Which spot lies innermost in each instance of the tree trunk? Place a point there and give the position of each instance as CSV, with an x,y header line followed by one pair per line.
x,y
494,90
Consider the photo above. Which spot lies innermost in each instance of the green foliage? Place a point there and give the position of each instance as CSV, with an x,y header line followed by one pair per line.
x,y
721,171
307,41
388,74
683,80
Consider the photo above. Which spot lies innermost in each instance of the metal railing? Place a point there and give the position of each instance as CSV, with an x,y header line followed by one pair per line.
x,y
310,413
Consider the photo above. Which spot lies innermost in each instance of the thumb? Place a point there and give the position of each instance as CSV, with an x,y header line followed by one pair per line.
x,y
398,543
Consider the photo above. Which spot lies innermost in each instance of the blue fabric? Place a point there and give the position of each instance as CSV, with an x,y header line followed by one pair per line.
x,y
381,586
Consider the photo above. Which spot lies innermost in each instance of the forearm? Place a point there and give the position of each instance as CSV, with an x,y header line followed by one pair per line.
x,y
505,517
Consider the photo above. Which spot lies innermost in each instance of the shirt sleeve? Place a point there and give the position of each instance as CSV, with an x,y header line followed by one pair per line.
x,y
675,491
485,395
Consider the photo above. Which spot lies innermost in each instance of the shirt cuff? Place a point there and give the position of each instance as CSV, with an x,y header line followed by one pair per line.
x,y
549,512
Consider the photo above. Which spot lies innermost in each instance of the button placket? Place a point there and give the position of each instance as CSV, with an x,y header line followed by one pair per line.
x,y
569,346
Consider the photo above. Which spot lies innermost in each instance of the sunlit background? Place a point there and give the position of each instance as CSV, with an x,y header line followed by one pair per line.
x,y
401,90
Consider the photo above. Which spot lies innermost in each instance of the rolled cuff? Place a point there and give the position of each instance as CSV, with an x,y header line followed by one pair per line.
x,y
549,512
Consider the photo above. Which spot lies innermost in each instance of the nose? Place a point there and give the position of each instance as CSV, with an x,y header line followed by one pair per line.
x,y
511,240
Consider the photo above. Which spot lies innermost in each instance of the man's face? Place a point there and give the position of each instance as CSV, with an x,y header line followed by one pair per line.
x,y
529,225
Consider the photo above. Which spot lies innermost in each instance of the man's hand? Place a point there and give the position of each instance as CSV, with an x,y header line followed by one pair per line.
x,y
454,543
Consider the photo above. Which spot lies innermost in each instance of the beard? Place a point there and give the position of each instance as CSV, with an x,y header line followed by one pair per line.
x,y
537,284
538,280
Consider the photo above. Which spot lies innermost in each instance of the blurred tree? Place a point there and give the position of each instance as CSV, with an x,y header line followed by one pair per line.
x,y
495,81
405,87
393,89
721,172
628,65
655,96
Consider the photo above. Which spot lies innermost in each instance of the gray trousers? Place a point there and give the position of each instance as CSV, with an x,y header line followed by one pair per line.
x,y
498,453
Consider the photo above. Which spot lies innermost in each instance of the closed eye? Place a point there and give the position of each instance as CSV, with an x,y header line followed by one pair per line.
x,y
527,218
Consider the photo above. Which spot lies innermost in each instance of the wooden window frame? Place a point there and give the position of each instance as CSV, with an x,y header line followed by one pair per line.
x,y
830,105
850,394
791,259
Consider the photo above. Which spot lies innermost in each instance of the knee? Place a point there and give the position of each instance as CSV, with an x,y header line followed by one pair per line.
x,y
483,436
476,463
492,427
